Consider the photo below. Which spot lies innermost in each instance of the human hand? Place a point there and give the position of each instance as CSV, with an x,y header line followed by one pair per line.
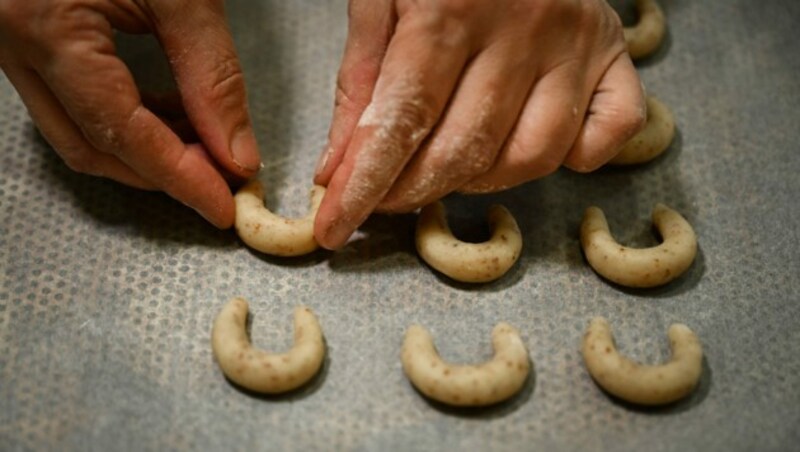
x,y
60,56
471,95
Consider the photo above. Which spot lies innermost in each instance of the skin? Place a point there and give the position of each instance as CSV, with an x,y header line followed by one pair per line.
x,y
60,56
256,369
645,267
640,384
264,231
473,96
468,262
467,385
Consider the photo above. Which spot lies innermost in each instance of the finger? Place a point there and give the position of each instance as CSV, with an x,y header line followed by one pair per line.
x,y
421,68
466,141
542,136
616,113
370,27
64,136
200,49
83,72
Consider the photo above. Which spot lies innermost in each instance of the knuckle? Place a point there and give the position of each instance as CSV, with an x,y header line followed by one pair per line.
x,y
226,85
80,162
623,123
457,8
632,120
467,155
415,119
547,166
348,99
409,119
535,162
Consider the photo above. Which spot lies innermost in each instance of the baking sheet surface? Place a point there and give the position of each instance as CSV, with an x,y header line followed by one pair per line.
x,y
107,294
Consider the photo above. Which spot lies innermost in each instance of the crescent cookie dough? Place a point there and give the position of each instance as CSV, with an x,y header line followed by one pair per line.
x,y
653,140
645,37
485,384
264,231
256,369
468,262
645,267
636,383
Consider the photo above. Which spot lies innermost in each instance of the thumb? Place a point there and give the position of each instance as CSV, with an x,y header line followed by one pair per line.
x,y
198,43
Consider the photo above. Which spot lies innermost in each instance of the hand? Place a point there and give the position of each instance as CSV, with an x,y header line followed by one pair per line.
x,y
60,56
471,95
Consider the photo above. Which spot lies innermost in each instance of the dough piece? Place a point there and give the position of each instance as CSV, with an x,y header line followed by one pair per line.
x,y
636,383
264,231
256,369
468,262
491,382
646,267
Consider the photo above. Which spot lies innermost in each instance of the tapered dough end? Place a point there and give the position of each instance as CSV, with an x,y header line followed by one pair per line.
x,y
646,36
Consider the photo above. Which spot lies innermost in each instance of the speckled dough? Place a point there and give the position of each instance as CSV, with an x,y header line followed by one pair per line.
x,y
264,231
645,267
653,140
635,383
256,369
491,382
468,262
645,37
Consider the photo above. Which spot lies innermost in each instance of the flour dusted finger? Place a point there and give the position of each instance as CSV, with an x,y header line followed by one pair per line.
x,y
646,36
640,384
468,262
653,140
645,267
264,231
256,369
468,385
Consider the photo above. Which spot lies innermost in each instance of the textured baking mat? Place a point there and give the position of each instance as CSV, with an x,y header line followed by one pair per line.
x,y
107,294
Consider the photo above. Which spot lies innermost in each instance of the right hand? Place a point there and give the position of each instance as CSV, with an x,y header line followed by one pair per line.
x,y
473,96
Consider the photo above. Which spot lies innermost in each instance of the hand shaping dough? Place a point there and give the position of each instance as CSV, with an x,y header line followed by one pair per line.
x,y
256,369
645,37
647,267
644,385
264,231
468,262
491,382
653,140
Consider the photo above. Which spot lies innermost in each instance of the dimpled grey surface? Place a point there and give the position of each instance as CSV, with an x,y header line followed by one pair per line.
x,y
107,294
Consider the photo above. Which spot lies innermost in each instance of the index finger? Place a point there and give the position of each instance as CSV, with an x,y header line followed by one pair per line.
x,y
421,68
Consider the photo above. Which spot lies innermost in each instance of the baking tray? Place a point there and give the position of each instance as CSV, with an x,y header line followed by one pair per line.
x,y
107,294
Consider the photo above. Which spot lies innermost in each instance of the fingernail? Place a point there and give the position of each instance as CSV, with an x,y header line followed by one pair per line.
x,y
337,235
244,150
323,160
